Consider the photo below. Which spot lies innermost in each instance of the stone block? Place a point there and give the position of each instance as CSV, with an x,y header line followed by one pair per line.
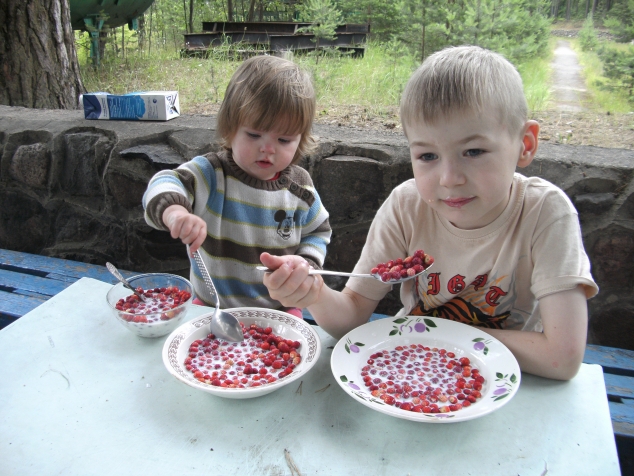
x,y
192,142
613,259
24,222
78,230
85,157
160,156
345,246
30,165
351,188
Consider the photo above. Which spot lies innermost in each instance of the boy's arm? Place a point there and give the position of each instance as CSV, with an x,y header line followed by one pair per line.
x,y
336,312
558,351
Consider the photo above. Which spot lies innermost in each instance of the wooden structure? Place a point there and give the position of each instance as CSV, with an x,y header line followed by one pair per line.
x,y
28,280
274,37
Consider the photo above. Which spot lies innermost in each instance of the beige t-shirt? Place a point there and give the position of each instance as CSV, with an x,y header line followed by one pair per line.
x,y
492,276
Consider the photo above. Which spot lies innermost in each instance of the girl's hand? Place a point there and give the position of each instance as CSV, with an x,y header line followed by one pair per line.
x,y
189,228
290,283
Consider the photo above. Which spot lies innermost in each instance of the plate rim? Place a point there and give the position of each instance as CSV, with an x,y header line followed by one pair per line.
x,y
422,417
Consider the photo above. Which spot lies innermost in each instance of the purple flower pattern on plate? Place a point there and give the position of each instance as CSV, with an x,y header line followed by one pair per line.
x,y
504,386
407,326
350,347
481,344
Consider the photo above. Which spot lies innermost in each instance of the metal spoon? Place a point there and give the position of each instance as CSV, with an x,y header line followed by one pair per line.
x,y
353,275
223,325
115,272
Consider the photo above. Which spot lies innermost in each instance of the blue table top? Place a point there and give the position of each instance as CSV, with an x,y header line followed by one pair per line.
x,y
82,395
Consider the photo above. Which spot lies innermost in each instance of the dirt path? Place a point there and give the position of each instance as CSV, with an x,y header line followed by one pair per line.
x,y
568,86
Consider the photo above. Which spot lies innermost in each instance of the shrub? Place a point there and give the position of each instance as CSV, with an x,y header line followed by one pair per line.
x,y
588,36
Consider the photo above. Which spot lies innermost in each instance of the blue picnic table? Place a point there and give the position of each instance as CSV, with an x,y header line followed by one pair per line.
x,y
28,280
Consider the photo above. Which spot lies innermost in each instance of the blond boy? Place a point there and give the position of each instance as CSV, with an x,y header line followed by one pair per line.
x,y
508,251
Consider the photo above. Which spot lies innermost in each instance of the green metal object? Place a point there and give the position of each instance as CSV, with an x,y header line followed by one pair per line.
x,y
93,15
114,12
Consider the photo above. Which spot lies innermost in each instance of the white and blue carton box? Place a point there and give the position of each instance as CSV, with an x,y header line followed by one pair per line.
x,y
139,106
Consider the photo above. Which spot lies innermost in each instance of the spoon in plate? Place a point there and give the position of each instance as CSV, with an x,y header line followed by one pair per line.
x,y
115,272
223,325
354,275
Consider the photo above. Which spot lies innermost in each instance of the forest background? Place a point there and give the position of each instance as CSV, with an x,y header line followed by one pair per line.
x,y
364,92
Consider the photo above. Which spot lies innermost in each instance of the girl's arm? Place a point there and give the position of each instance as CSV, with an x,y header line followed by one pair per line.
x,y
315,234
558,351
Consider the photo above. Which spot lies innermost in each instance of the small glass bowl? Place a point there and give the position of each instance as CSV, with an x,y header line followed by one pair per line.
x,y
153,323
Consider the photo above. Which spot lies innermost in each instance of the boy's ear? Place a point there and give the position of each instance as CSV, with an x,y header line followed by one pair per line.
x,y
529,144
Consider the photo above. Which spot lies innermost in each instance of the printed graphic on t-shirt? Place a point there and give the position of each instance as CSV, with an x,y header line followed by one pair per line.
x,y
286,224
475,302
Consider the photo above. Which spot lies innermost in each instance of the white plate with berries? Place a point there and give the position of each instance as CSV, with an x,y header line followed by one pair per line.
x,y
277,349
425,369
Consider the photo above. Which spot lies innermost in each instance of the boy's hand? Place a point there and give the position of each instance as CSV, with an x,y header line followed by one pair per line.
x,y
290,283
191,229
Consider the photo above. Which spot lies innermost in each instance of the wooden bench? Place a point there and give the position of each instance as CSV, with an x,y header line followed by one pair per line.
x,y
618,372
27,280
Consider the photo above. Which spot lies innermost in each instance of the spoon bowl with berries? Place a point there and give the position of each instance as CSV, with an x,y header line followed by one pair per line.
x,y
392,272
166,298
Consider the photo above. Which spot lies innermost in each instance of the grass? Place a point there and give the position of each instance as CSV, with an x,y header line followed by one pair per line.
x,y
603,99
373,83
536,76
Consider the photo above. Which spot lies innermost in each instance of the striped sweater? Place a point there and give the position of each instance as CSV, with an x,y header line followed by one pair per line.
x,y
245,216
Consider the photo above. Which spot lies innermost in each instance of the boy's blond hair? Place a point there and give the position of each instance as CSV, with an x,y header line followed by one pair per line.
x,y
465,78
269,93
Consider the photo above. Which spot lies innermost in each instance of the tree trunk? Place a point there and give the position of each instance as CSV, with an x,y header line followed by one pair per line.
x,y
39,67
191,16
229,10
184,14
251,10
568,9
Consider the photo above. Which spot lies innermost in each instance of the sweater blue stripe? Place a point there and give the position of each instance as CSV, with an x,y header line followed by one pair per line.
x,y
253,215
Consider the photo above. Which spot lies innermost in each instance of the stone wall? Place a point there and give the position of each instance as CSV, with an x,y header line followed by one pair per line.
x,y
72,188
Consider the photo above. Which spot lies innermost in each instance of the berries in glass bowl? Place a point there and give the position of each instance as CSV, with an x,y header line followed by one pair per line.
x,y
167,298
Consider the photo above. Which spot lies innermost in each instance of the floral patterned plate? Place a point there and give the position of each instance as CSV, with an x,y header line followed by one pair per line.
x,y
495,362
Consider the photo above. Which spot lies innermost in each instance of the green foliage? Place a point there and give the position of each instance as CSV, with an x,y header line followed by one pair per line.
x,y
618,66
324,17
516,28
385,18
588,36
620,20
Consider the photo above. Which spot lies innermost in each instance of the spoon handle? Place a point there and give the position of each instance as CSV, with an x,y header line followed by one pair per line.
x,y
205,274
324,272
339,273
115,272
